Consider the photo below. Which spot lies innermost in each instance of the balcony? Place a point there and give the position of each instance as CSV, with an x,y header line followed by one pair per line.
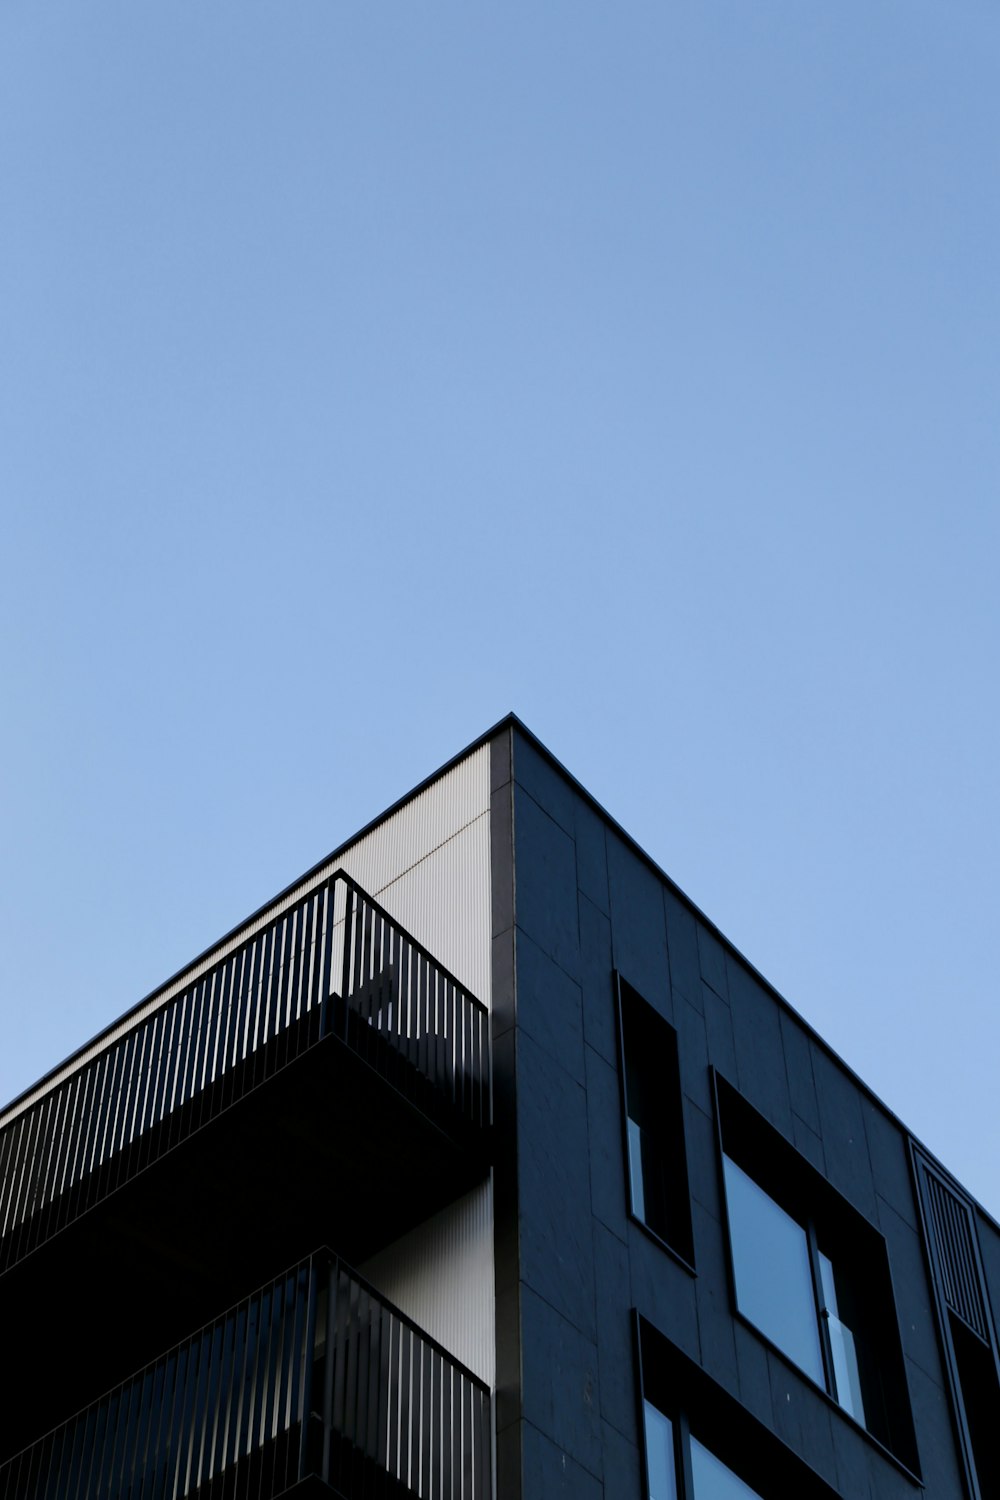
x,y
312,1384
326,1081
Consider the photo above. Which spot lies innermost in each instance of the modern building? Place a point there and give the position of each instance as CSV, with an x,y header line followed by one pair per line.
x,y
479,1163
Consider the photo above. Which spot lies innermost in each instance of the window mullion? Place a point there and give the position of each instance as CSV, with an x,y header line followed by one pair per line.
x,y
822,1315
682,1450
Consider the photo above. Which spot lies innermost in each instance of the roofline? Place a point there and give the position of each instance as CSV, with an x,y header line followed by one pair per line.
x,y
39,1084
509,721
731,947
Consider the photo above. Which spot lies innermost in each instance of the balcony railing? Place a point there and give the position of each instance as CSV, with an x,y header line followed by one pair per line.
x,y
239,1022
313,1375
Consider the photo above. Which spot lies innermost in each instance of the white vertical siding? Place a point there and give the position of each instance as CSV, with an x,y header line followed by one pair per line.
x,y
441,1276
444,901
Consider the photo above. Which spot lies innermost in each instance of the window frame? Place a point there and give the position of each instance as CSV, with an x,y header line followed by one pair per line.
x,y
634,1014
698,1408
836,1229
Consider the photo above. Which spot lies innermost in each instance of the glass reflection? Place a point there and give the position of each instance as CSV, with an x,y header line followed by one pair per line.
x,y
846,1372
635,1169
773,1276
660,1454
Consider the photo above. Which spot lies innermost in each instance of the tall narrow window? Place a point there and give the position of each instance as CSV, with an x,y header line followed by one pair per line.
x,y
653,1122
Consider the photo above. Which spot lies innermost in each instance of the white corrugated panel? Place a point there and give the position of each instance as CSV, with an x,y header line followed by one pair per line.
x,y
441,1276
444,901
408,836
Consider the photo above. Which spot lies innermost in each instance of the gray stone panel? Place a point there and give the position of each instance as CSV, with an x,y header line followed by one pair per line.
x,y
663,1291
715,1316
549,1471
889,1155
549,788
614,1333
639,935
608,1194
712,961
682,945
760,1056
561,1385
592,857
596,981
550,1006
798,1069
554,1185
845,1144
801,1417
545,885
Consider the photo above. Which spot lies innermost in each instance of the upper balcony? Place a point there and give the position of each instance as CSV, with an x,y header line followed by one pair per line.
x,y
313,1385
326,1080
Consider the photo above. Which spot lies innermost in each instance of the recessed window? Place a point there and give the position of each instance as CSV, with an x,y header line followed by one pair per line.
x,y
681,1468
702,1443
653,1122
812,1275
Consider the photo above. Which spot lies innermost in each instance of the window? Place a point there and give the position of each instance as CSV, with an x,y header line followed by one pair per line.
x,y
681,1468
812,1275
702,1443
653,1122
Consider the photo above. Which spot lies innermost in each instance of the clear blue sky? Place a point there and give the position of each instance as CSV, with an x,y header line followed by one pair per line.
x,y
369,369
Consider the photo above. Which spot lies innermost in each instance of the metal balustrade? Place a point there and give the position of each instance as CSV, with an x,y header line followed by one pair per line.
x,y
314,1374
240,1021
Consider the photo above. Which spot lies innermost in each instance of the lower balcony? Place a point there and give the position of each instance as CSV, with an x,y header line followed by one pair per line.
x,y
312,1385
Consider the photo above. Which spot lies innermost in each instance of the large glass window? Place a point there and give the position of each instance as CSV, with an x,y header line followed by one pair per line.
x,y
653,1122
812,1275
788,1288
773,1272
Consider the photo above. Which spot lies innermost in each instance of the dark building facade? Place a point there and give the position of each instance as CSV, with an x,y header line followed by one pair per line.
x,y
475,1164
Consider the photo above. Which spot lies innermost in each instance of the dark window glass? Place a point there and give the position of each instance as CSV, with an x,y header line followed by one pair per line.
x,y
712,1480
654,1125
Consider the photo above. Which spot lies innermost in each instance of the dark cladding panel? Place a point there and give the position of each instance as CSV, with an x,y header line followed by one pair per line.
x,y
798,1067
638,927
608,1194
538,776
887,1151
554,1186
595,978
614,1339
845,1144
591,856
545,884
551,1474
760,1057
550,1006
561,1388
682,943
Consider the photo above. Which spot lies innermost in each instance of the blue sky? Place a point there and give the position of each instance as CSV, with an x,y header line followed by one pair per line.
x,y
367,370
